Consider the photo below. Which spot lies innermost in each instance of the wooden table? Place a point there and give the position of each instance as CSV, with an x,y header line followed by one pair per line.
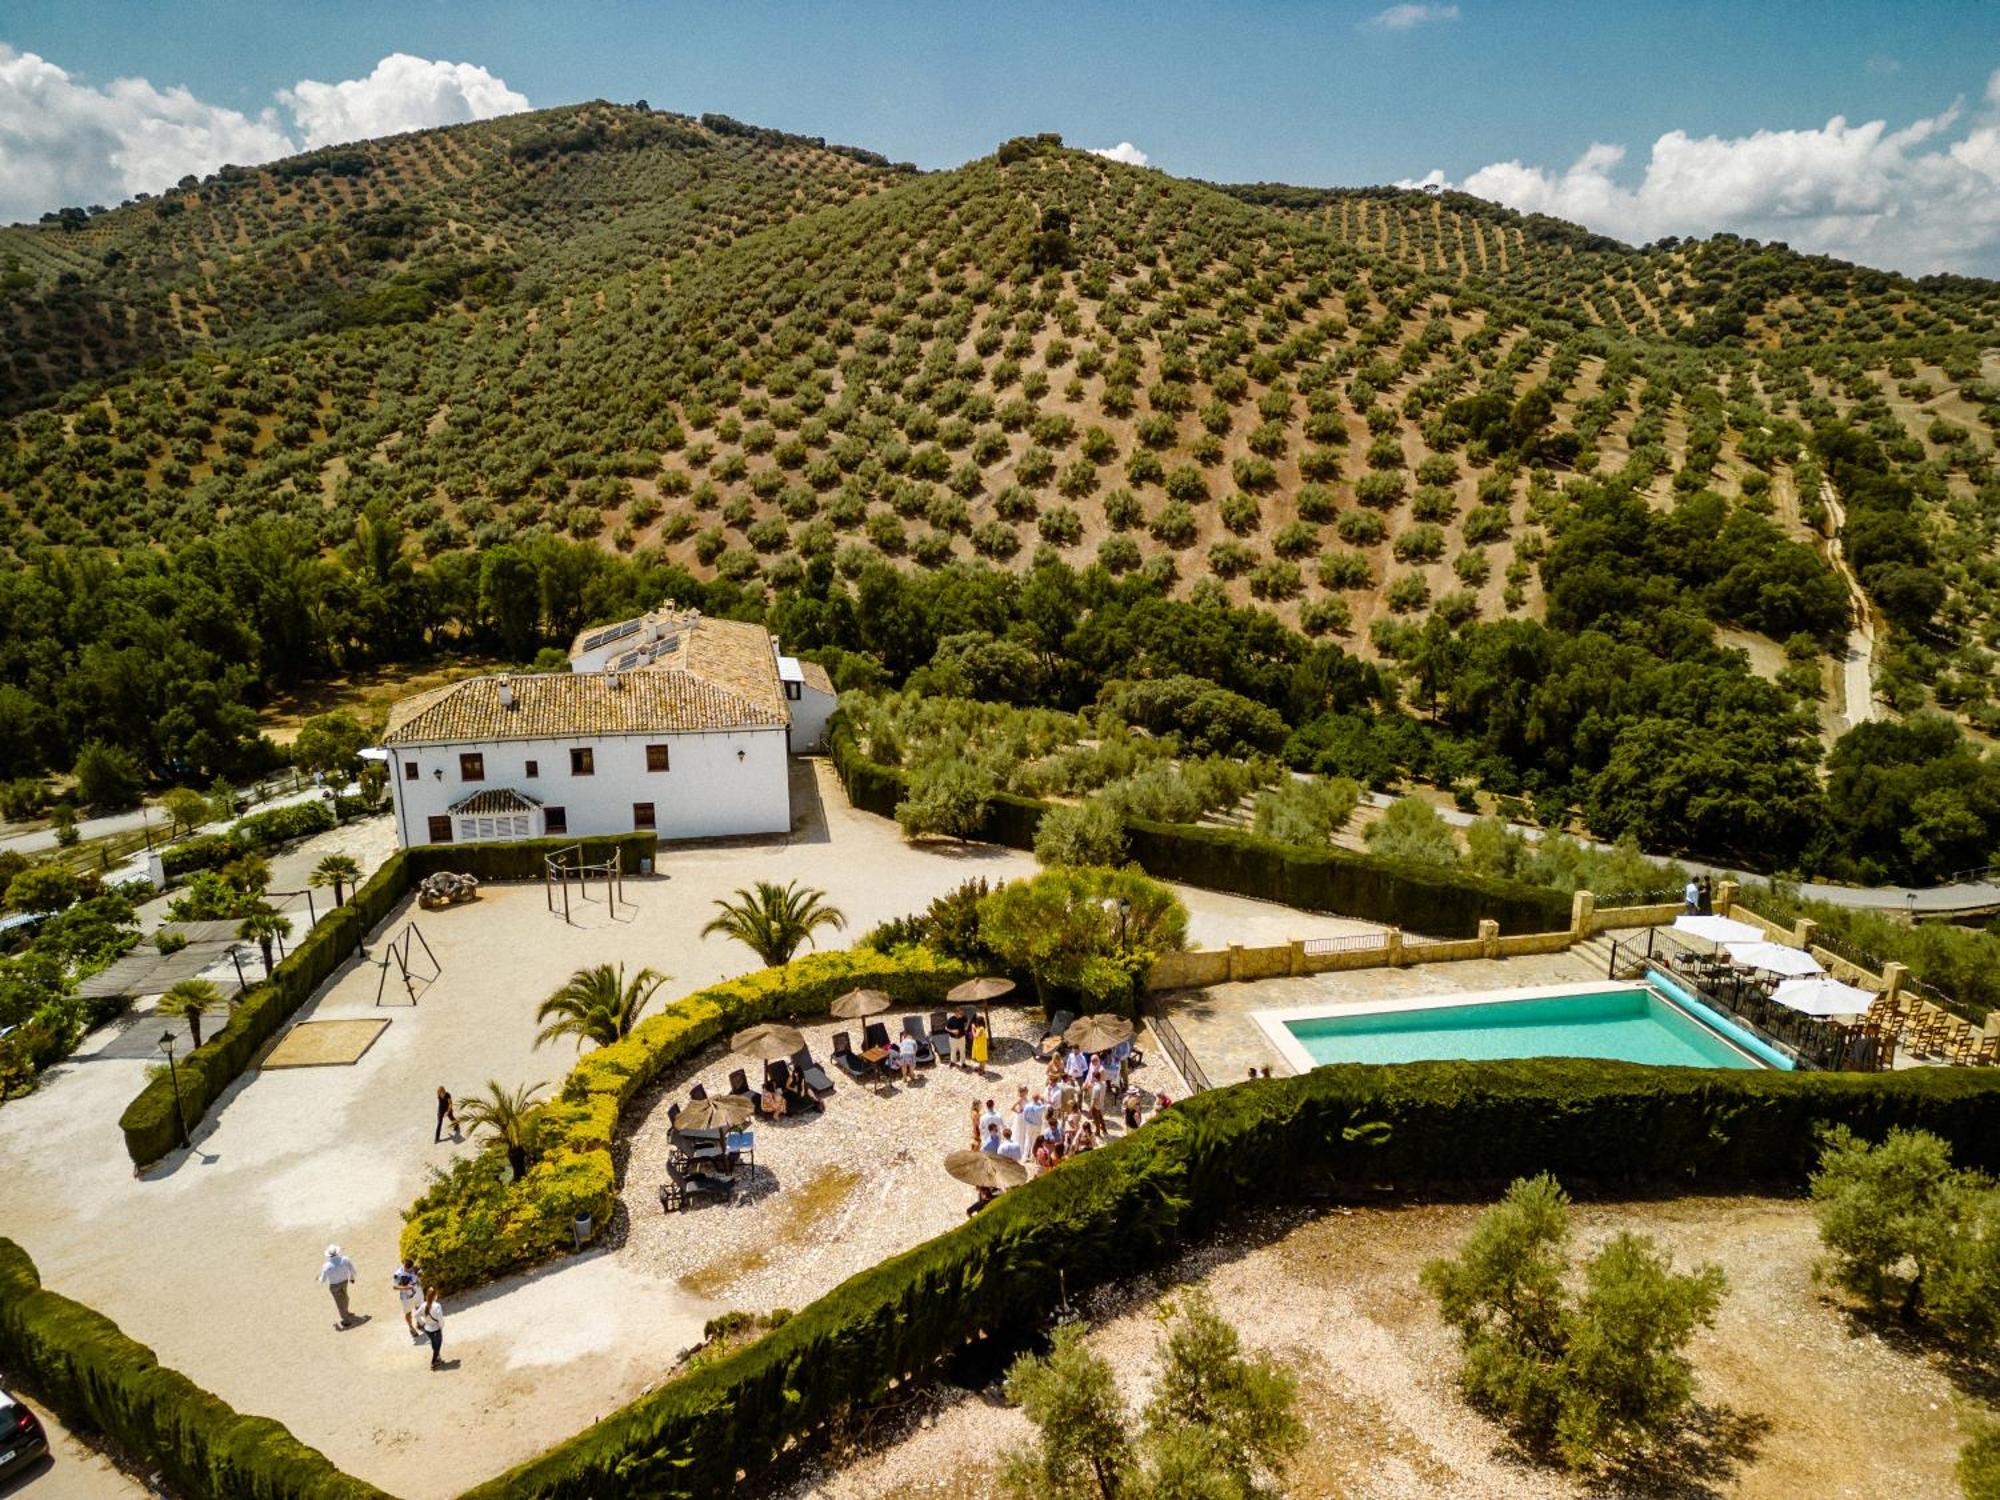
x,y
875,1057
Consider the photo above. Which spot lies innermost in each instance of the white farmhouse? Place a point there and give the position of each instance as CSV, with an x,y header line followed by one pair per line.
x,y
689,738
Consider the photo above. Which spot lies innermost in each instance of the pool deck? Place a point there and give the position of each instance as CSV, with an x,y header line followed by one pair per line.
x,y
1220,1028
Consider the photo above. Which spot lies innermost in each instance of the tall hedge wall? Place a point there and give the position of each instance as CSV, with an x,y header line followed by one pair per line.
x,y
1127,1206
151,1130
98,1380
1418,898
469,1227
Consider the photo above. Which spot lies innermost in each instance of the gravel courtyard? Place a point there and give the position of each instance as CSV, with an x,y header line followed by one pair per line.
x,y
210,1257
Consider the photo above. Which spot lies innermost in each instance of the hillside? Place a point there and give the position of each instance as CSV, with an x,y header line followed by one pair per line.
x,y
1374,414
390,231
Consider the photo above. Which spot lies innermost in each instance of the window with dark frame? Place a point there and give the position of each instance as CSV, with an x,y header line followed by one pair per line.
x,y
582,762
642,815
555,820
409,770
656,758
440,829
534,768
471,766
795,691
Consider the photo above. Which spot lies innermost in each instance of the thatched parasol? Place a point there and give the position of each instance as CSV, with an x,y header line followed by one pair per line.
x,y
855,1005
1098,1033
982,1169
724,1112
767,1043
979,991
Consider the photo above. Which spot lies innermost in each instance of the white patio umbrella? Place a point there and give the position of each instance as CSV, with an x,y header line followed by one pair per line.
x,y
1823,997
1775,958
1719,929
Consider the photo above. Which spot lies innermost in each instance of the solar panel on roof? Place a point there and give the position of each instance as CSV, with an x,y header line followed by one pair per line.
x,y
615,633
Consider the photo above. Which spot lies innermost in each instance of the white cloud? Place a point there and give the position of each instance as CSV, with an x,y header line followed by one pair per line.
x,y
1920,199
66,142
403,93
1124,151
1405,17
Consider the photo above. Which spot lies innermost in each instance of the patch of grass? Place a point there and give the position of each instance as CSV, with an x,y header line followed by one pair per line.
x,y
798,1217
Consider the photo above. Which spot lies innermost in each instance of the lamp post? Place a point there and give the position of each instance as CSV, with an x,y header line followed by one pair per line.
x,y
180,1115
1124,915
1910,900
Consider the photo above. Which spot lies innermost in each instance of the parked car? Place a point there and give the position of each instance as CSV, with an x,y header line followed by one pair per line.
x,y
22,1440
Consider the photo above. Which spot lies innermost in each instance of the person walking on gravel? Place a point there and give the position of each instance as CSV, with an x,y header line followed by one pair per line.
x,y
409,1287
445,1112
430,1323
336,1276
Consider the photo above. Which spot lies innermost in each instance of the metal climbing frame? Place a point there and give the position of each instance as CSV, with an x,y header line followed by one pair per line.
x,y
568,862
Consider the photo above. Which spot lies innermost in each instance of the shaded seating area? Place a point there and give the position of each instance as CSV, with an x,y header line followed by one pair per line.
x,y
705,1150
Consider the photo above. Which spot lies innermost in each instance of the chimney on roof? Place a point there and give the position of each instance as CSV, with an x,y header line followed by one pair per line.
x,y
506,691
614,681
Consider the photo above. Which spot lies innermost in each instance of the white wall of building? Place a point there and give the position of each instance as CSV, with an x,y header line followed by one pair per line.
x,y
717,785
810,711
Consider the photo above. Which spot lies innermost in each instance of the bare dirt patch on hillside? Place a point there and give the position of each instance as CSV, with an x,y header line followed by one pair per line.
x,y
1797,1398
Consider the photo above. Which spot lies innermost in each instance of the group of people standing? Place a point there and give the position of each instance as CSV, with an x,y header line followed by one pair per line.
x,y
1067,1115
423,1312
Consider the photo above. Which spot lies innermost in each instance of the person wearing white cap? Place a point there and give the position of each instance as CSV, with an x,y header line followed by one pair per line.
x,y
336,1275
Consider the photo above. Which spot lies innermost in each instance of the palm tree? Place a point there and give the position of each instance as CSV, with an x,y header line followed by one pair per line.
x,y
507,1115
771,921
264,926
597,1005
337,870
187,1000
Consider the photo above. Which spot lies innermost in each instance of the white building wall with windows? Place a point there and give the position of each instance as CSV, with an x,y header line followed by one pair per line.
x,y
716,783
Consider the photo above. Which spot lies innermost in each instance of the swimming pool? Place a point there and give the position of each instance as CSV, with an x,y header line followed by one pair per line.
x,y
1641,1023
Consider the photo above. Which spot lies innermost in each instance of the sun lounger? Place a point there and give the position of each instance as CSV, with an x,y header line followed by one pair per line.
x,y
685,1188
874,1034
698,1092
926,1054
845,1060
814,1074
739,1082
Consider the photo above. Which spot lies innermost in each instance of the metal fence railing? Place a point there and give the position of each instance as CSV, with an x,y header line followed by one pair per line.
x,y
1353,943
1192,1073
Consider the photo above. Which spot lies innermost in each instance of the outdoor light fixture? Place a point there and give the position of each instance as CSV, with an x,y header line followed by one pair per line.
x,y
180,1115
438,771
739,755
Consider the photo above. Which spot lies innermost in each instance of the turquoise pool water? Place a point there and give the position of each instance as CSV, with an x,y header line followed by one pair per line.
x,y
1630,1024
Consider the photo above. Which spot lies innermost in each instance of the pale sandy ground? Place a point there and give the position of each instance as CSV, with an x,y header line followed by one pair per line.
x,y
1797,1400
211,1257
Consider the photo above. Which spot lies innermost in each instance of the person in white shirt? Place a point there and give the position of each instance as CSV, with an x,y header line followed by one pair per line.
x,y
906,1057
430,1322
408,1287
336,1275
990,1121
1034,1110
1076,1064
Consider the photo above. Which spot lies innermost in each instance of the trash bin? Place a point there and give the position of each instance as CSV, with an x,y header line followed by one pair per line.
x,y
645,864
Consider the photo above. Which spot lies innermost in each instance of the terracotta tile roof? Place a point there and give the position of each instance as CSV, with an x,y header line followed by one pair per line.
x,y
495,800
816,678
556,705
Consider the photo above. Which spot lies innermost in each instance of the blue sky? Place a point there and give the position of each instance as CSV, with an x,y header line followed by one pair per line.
x,y
1306,93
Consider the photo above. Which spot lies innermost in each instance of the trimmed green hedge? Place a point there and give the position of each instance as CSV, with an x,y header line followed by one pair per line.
x,y
149,1123
470,1226
1418,898
99,1380
1130,1205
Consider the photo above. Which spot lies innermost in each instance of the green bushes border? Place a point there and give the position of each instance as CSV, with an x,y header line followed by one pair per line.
x,y
469,1227
1127,1206
1401,893
149,1121
99,1380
